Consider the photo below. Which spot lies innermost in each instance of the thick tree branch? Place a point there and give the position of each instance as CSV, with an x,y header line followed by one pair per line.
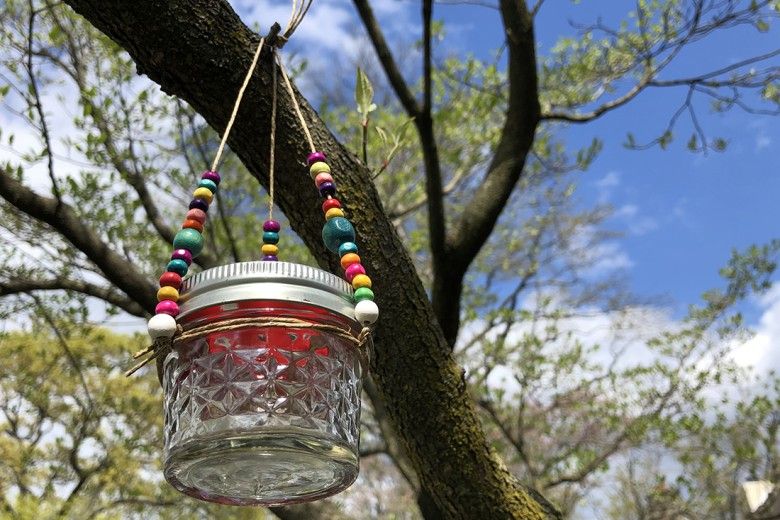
x,y
481,213
107,294
184,45
64,220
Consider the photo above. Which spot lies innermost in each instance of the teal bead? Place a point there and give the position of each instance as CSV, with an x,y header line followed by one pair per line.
x,y
209,185
364,293
337,231
177,266
270,237
347,247
189,239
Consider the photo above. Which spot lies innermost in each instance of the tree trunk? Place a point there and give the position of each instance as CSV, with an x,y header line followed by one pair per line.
x,y
199,50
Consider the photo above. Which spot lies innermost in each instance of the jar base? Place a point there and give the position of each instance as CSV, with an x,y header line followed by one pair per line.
x,y
278,467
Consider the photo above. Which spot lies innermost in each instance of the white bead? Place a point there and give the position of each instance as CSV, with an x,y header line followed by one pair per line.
x,y
366,312
161,326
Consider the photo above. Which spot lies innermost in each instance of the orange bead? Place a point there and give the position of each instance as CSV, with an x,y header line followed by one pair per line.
x,y
193,224
349,258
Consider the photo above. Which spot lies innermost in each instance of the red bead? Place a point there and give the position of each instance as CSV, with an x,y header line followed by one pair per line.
x,y
330,204
193,224
170,279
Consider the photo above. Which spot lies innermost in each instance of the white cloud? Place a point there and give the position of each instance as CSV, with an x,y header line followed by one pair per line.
x,y
763,141
762,350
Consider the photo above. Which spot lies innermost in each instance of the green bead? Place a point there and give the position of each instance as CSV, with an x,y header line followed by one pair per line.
x,y
336,231
189,239
177,266
270,237
364,293
209,185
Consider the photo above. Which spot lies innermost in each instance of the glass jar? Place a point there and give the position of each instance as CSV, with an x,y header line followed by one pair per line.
x,y
262,413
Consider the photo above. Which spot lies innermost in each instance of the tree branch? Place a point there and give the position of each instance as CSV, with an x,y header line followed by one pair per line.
x,y
481,213
64,220
107,294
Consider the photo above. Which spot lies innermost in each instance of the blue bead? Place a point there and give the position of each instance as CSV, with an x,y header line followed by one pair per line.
x,y
209,185
270,237
337,231
347,247
177,266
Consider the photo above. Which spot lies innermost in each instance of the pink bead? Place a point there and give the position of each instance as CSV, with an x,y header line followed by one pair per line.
x,y
353,270
196,214
322,178
167,307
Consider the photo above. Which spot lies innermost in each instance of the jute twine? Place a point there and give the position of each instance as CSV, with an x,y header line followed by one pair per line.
x,y
161,346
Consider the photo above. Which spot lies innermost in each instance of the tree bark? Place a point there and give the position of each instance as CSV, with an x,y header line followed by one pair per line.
x,y
199,50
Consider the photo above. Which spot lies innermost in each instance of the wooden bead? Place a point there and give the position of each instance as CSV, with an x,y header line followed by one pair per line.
x,y
347,247
348,259
196,214
208,184
322,178
330,204
364,293
161,326
211,176
270,249
333,212
170,279
272,225
270,258
199,204
182,254
327,189
177,266
168,293
366,312
190,240
193,224
336,231
270,237
361,280
315,157
167,307
317,168
354,270
203,194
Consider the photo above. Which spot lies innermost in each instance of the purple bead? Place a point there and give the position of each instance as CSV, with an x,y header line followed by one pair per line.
x,y
182,254
211,176
270,258
327,188
271,225
199,204
315,157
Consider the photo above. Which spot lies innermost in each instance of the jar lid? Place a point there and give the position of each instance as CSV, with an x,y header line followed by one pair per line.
x,y
284,281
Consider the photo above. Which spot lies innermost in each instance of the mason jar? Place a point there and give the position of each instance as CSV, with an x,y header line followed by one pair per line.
x,y
264,409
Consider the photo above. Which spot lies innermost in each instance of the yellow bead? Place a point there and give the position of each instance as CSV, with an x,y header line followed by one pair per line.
x,y
168,293
270,249
333,212
317,168
203,193
361,280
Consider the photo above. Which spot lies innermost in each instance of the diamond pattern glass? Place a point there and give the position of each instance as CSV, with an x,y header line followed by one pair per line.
x,y
263,415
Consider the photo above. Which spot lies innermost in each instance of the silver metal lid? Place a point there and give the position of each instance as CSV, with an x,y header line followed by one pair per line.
x,y
282,281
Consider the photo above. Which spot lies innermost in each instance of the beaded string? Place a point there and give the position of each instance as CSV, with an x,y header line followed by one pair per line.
x,y
338,234
271,227
188,242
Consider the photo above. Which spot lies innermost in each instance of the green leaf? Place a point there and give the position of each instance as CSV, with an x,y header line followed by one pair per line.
x,y
762,25
364,95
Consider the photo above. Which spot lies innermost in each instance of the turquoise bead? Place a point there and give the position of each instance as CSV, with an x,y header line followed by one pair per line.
x,y
364,293
209,185
347,247
337,231
189,239
177,266
270,237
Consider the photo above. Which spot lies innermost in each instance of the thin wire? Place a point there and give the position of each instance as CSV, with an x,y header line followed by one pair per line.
x,y
273,147
295,105
236,105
